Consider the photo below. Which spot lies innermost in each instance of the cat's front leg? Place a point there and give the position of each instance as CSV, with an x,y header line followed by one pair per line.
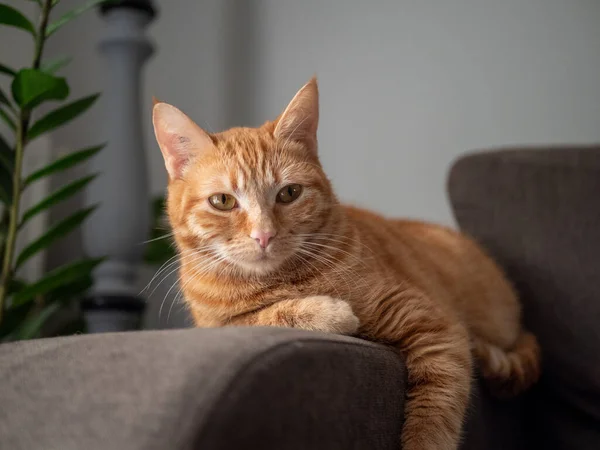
x,y
438,361
316,313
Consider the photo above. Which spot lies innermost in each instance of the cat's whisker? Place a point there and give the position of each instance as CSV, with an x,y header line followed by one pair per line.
x,y
313,269
330,247
349,257
194,257
340,237
164,266
199,257
319,246
164,236
205,269
332,265
336,238
339,263
167,262
206,266
341,267
197,264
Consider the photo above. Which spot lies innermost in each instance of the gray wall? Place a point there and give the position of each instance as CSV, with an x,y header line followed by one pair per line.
x,y
406,86
16,49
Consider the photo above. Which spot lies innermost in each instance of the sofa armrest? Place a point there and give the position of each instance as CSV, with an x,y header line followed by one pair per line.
x,y
226,388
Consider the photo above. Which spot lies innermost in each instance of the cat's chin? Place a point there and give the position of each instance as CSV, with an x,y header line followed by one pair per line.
x,y
259,267
255,263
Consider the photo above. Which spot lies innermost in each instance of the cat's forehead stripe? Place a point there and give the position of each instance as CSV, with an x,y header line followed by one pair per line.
x,y
241,185
250,160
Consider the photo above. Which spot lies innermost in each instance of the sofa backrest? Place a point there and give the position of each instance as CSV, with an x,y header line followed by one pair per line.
x,y
537,211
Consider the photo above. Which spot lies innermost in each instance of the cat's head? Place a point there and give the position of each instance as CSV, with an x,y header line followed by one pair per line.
x,y
246,198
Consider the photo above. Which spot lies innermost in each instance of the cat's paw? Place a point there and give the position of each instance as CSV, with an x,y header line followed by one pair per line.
x,y
326,314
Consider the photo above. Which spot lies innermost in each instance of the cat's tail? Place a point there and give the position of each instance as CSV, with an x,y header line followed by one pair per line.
x,y
509,372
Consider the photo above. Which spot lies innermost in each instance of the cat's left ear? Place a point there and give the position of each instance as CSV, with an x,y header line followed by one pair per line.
x,y
178,137
300,120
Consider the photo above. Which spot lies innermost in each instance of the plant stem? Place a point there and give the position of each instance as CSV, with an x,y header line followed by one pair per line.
x,y
11,236
21,141
41,33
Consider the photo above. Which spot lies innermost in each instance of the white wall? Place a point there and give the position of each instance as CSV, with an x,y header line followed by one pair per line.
x,y
406,86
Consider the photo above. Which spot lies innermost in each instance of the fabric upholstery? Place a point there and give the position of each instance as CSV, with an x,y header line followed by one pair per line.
x,y
227,388
538,213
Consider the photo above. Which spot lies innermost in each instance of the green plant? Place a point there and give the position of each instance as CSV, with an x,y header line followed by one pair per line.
x,y
24,308
159,248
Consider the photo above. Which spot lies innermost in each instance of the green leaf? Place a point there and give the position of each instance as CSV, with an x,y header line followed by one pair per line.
x,y
158,206
12,318
7,156
32,87
73,327
4,99
3,231
62,276
61,116
159,248
32,326
7,119
67,17
13,315
64,163
7,70
54,65
6,186
159,252
7,159
73,290
16,285
55,232
11,17
58,196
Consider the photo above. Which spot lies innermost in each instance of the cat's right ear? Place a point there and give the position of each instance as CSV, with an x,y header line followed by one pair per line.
x,y
178,137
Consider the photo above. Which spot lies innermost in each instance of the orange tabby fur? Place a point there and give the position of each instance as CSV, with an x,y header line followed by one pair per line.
x,y
427,290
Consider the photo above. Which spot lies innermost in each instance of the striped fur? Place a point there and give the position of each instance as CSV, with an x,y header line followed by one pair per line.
x,y
427,290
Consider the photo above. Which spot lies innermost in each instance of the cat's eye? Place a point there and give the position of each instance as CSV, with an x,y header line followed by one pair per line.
x,y
222,202
289,193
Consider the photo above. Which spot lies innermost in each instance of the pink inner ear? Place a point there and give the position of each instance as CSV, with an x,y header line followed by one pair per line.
x,y
177,157
174,153
178,137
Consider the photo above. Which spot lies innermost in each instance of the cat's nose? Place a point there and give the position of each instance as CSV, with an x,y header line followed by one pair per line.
x,y
262,237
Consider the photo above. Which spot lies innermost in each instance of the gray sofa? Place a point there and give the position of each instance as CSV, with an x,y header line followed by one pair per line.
x,y
537,211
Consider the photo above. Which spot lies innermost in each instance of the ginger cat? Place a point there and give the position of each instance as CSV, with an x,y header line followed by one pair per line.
x,y
264,241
